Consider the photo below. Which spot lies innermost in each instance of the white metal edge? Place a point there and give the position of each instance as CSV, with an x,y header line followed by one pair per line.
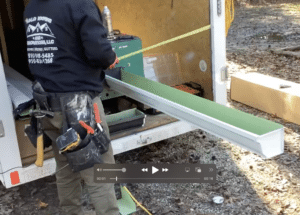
x,y
151,136
20,88
17,96
209,124
218,49
267,141
19,81
9,148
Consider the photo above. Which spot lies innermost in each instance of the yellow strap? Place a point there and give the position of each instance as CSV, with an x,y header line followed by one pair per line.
x,y
166,42
229,14
137,201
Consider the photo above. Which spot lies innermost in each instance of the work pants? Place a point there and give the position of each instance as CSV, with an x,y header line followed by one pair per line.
x,y
69,183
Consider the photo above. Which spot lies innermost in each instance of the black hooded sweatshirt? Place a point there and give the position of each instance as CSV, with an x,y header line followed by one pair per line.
x,y
67,45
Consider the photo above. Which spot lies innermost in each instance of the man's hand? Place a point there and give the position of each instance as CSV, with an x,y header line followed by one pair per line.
x,y
114,64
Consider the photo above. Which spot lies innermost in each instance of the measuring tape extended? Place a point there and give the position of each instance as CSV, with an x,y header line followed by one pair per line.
x,y
166,42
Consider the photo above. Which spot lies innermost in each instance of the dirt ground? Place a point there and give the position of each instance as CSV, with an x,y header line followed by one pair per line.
x,y
248,183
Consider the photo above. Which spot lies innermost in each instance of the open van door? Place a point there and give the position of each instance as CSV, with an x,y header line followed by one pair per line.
x,y
9,149
14,168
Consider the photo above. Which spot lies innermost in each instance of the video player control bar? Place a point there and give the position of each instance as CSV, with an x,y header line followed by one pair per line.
x,y
155,173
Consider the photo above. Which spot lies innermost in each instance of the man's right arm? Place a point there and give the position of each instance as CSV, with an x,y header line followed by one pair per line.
x,y
88,22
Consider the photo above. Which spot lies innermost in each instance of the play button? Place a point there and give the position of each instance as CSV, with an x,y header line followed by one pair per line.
x,y
154,170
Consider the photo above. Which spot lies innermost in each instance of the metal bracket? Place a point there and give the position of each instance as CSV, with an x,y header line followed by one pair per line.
x,y
219,7
2,134
145,140
224,74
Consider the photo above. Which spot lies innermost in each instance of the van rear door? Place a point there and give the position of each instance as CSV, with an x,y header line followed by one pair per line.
x,y
9,150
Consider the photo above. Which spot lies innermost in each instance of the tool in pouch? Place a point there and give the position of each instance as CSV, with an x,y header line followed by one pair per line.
x,y
82,142
100,136
39,114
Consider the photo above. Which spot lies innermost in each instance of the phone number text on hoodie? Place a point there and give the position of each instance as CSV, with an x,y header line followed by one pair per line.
x,y
40,58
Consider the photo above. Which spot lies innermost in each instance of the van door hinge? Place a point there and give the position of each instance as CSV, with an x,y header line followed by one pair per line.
x,y
224,74
2,134
219,7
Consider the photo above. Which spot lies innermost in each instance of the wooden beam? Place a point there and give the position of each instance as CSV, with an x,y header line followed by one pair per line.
x,y
264,93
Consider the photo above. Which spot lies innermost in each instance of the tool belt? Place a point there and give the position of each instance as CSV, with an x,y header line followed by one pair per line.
x,y
82,142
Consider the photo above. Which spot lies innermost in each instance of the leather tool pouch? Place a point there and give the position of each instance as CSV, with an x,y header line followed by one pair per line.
x,y
86,157
75,108
40,96
42,100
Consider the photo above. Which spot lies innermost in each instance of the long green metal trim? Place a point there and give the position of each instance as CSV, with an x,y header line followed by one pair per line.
x,y
255,134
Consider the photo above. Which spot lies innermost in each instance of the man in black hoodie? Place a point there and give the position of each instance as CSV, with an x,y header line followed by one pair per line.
x,y
68,51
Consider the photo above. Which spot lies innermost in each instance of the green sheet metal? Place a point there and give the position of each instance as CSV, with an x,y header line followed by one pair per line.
x,y
233,117
126,204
